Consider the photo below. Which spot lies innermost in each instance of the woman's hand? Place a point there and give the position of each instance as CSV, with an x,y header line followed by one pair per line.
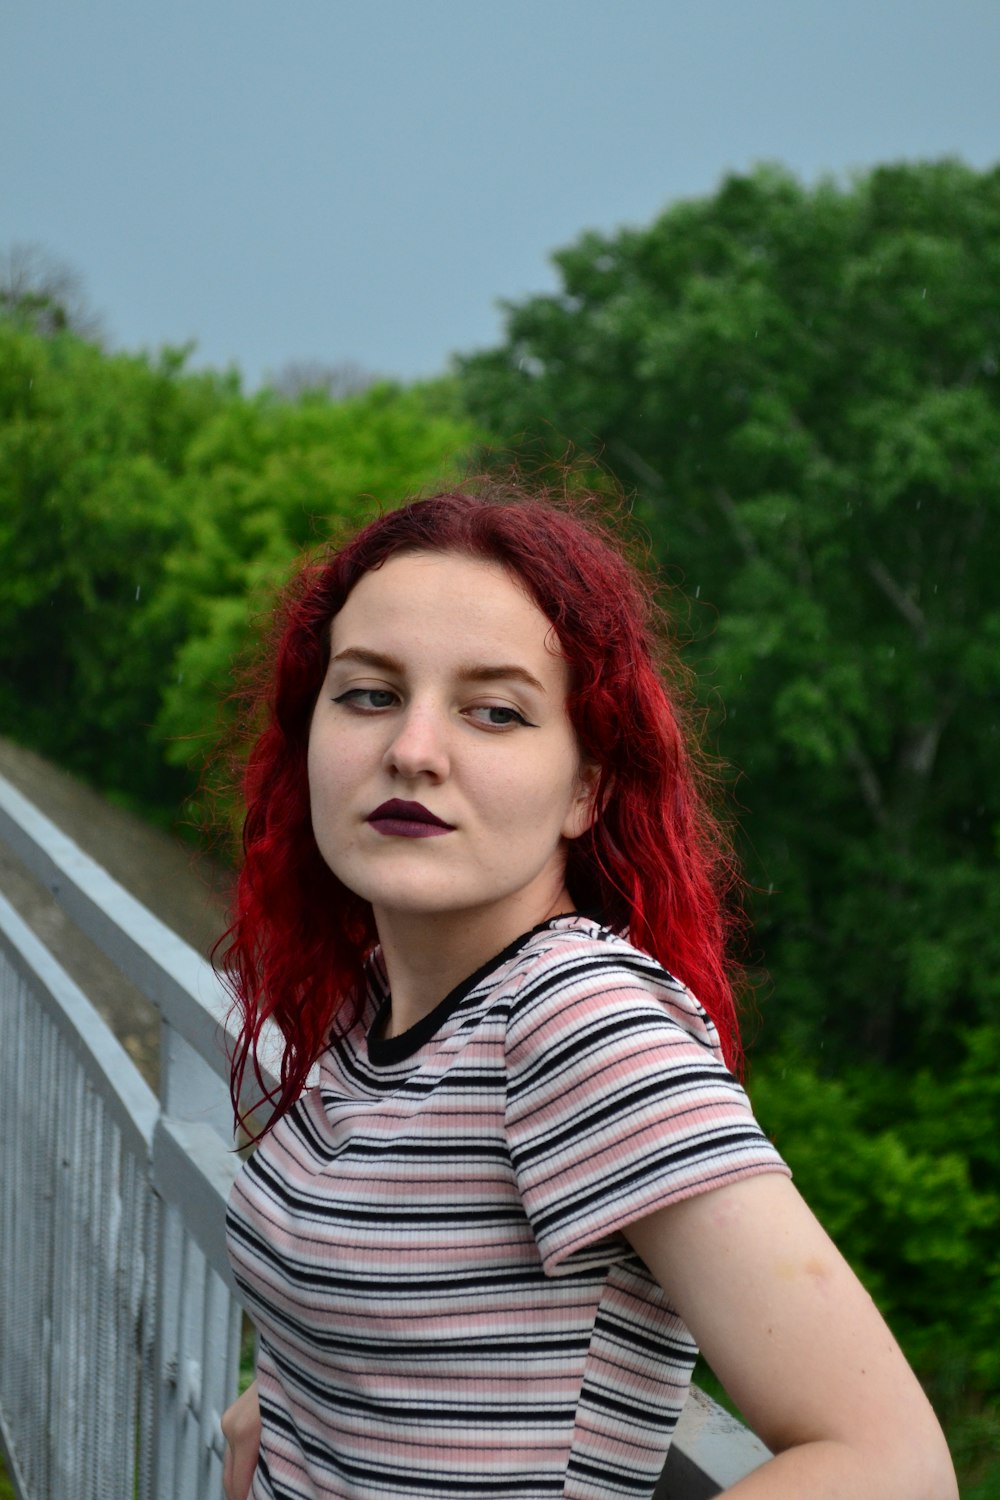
x,y
241,1430
799,1346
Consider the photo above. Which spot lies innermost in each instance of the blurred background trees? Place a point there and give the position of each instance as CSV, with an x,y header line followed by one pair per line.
x,y
40,291
799,389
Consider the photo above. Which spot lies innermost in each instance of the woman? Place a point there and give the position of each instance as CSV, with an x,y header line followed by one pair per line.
x,y
484,1239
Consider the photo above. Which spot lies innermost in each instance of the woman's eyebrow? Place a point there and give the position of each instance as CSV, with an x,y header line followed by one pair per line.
x,y
364,658
474,672
499,673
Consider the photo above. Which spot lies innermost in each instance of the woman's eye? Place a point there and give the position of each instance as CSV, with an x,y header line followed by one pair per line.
x,y
498,716
367,699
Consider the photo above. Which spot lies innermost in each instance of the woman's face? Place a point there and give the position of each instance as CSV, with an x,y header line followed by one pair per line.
x,y
444,774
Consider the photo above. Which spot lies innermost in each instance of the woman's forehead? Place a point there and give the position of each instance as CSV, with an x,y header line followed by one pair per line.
x,y
466,608
413,582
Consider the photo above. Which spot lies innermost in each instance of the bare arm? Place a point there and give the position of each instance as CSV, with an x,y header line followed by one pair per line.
x,y
241,1430
799,1346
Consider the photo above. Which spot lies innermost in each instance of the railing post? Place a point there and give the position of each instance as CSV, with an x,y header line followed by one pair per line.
x,y
711,1451
190,1092
168,1271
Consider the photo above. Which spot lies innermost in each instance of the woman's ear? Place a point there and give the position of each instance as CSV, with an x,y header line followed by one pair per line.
x,y
584,809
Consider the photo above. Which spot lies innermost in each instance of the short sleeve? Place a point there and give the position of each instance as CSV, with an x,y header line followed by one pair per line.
x,y
618,1102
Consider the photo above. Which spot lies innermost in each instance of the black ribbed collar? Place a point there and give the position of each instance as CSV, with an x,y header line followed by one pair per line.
x,y
383,1051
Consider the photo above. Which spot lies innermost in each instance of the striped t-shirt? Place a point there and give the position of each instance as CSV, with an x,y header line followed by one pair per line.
x,y
430,1241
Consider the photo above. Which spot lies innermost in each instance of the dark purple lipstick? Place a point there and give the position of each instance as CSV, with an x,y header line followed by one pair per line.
x,y
406,820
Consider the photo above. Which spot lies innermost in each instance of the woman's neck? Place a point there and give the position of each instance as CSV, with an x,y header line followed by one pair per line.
x,y
425,956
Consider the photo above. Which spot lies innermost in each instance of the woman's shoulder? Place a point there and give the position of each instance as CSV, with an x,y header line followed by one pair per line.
x,y
584,970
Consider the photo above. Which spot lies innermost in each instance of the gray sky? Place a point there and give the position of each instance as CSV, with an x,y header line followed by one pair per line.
x,y
362,180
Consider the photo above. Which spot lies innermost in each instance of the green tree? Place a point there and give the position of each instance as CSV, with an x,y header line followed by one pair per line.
x,y
39,292
91,446
801,385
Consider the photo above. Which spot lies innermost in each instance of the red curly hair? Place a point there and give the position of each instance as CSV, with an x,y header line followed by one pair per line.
x,y
655,863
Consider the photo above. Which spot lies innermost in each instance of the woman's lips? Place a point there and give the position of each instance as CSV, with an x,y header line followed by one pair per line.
x,y
406,820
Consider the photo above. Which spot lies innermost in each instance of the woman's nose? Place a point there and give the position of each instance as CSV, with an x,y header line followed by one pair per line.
x,y
419,746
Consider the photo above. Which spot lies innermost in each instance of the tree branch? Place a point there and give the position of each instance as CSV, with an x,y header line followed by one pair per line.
x,y
871,790
907,607
638,465
919,752
744,537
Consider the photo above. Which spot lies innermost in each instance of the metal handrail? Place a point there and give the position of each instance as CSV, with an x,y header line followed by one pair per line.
x,y
112,1246
112,1252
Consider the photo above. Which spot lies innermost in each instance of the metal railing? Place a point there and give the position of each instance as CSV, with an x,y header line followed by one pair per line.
x,y
119,1321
